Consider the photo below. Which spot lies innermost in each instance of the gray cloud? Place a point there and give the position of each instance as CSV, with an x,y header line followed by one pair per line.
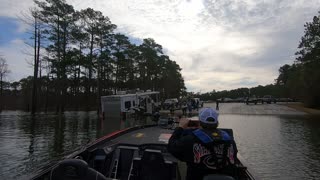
x,y
220,44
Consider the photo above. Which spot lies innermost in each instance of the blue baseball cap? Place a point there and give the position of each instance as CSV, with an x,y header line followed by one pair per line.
x,y
208,115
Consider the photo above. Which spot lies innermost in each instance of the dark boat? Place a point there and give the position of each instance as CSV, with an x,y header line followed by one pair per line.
x,y
133,153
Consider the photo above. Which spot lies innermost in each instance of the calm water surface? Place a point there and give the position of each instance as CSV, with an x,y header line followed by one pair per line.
x,y
276,147
27,143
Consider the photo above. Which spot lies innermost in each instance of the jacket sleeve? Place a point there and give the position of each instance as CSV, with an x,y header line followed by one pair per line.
x,y
178,144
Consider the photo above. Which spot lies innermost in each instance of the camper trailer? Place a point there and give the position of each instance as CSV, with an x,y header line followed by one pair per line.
x,y
120,105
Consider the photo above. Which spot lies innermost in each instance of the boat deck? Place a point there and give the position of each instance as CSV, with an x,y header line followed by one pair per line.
x,y
145,135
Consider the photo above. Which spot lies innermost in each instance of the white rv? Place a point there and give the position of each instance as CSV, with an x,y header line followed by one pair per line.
x,y
120,105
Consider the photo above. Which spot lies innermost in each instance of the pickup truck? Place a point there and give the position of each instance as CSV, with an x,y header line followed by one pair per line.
x,y
252,99
268,99
170,103
198,102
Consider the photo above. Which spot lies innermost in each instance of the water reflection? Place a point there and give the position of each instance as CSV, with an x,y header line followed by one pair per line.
x,y
29,142
276,147
301,139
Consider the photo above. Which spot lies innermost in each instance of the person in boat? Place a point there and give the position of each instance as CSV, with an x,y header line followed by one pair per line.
x,y
206,149
217,104
184,108
189,106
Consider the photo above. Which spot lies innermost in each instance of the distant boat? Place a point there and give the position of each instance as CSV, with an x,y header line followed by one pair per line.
x,y
133,153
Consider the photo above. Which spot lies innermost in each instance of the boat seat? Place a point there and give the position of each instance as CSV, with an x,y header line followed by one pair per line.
x,y
217,177
152,166
74,169
121,162
229,131
99,160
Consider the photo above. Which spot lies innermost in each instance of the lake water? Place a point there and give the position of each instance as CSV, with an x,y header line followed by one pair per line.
x,y
278,147
275,146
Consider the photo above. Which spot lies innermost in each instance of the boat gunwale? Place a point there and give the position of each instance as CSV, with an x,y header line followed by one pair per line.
x,y
249,171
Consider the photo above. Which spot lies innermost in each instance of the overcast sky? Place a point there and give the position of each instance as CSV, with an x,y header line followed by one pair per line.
x,y
219,44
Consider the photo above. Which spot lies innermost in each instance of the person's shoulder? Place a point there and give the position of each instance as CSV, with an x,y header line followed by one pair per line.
x,y
188,132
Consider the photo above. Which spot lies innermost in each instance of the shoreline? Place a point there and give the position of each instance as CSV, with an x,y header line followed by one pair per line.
x,y
300,107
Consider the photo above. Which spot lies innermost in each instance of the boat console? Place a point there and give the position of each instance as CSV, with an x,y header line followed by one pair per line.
x,y
121,161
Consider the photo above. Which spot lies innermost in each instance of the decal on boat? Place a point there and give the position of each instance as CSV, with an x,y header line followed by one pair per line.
x,y
139,135
164,137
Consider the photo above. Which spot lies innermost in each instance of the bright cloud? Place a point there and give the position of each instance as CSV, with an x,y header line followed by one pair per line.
x,y
219,44
18,58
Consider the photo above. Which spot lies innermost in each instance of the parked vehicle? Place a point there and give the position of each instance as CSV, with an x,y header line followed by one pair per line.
x,y
197,103
231,100
120,105
253,100
228,100
268,99
240,99
285,100
169,103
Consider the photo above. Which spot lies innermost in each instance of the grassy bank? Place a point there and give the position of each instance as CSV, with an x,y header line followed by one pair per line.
x,y
301,107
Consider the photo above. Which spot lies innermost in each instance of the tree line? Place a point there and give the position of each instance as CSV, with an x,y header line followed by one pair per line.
x,y
301,79
242,93
78,56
